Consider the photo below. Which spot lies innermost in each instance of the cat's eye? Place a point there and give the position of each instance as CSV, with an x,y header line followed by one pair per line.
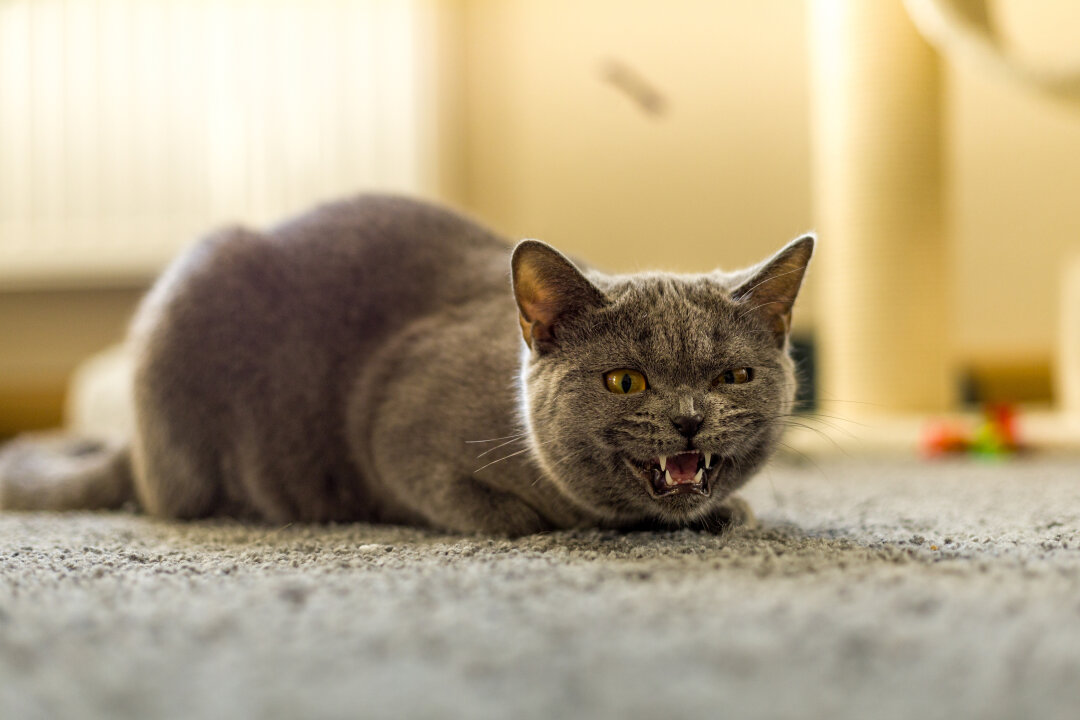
x,y
738,376
625,381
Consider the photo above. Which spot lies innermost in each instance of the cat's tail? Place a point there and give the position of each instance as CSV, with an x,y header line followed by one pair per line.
x,y
64,473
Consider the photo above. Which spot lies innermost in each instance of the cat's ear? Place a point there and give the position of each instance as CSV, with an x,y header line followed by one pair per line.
x,y
772,286
548,289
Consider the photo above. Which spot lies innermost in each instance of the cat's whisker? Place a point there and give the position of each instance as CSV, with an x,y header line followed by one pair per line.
x,y
826,423
847,434
824,435
802,422
504,437
818,416
822,418
508,442
507,457
523,450
789,419
802,413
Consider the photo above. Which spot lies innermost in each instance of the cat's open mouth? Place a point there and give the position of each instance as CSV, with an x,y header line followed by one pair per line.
x,y
680,474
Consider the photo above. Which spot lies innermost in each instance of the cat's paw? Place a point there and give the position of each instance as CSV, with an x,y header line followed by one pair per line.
x,y
491,514
732,513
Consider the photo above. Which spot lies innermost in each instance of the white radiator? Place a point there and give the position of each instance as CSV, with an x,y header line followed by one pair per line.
x,y
129,127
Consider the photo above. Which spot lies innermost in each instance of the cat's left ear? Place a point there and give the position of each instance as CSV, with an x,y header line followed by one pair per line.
x,y
770,292
549,289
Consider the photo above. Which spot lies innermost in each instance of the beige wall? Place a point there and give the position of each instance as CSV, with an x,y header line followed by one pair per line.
x,y
1015,159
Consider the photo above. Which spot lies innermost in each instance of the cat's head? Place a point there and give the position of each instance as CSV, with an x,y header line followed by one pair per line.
x,y
655,395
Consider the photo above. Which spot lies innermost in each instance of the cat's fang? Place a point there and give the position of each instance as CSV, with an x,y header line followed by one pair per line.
x,y
683,473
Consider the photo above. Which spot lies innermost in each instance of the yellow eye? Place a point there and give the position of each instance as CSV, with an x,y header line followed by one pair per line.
x,y
625,382
737,376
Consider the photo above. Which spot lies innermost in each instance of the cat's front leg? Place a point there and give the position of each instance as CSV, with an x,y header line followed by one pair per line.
x,y
732,513
464,505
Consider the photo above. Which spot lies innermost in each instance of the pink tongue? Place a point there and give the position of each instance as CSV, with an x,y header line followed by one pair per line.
x,y
682,467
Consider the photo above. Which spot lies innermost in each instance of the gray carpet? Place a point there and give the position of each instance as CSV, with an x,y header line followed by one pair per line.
x,y
871,589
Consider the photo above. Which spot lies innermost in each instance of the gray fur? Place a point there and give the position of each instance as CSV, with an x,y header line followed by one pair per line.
x,y
365,361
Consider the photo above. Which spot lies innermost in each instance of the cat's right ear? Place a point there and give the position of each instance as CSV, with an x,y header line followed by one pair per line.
x,y
549,289
770,288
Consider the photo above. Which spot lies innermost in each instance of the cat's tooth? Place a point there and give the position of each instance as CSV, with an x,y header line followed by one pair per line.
x,y
697,476
663,463
667,479
708,459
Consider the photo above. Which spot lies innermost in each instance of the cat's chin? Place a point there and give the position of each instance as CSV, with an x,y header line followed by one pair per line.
x,y
686,473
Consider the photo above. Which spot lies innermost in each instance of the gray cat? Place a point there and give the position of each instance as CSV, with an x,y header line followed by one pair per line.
x,y
362,362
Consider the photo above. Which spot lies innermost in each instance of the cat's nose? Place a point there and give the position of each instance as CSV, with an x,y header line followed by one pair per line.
x,y
687,425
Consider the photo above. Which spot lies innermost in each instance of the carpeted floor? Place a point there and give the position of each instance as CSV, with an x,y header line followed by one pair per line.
x,y
872,589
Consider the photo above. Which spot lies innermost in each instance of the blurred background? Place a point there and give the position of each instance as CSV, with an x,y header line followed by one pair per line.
x,y
934,145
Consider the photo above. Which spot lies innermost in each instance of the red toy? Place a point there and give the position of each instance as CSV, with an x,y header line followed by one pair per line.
x,y
996,435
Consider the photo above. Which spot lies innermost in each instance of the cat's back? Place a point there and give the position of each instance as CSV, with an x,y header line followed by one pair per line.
x,y
394,243
344,272
390,258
